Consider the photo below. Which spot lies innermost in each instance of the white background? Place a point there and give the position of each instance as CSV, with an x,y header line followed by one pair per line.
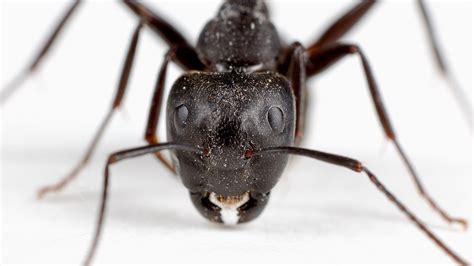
x,y
318,212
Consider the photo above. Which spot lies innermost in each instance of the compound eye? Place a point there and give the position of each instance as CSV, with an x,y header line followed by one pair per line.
x,y
275,118
180,116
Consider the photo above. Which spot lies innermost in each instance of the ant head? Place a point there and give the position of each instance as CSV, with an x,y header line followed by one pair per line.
x,y
230,116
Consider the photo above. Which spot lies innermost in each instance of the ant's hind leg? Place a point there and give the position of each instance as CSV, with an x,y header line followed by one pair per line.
x,y
115,105
320,61
15,83
186,56
460,96
349,20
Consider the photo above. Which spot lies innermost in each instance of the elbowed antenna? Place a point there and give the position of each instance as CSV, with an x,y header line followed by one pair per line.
x,y
116,157
357,166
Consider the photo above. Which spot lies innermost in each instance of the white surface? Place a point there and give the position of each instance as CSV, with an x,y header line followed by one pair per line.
x,y
318,212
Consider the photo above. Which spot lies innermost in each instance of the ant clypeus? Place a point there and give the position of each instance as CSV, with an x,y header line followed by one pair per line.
x,y
234,118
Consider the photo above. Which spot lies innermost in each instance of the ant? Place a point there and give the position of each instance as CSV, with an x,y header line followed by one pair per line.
x,y
239,111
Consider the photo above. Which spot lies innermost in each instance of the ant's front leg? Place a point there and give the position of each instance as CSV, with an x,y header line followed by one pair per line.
x,y
293,66
155,109
318,61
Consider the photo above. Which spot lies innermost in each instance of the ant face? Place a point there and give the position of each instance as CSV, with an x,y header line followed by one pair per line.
x,y
230,116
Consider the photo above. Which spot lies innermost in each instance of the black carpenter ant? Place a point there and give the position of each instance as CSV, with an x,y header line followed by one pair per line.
x,y
233,119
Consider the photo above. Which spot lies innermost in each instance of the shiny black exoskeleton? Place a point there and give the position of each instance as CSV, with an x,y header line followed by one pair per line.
x,y
239,107
228,114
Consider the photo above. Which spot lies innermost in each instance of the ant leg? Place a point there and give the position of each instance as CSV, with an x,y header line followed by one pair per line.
x,y
16,82
321,60
116,157
459,94
186,56
358,167
127,67
155,109
347,21
343,25
293,67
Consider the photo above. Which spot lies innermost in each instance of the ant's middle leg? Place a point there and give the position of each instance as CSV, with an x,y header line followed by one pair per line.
x,y
342,25
127,67
185,55
320,61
